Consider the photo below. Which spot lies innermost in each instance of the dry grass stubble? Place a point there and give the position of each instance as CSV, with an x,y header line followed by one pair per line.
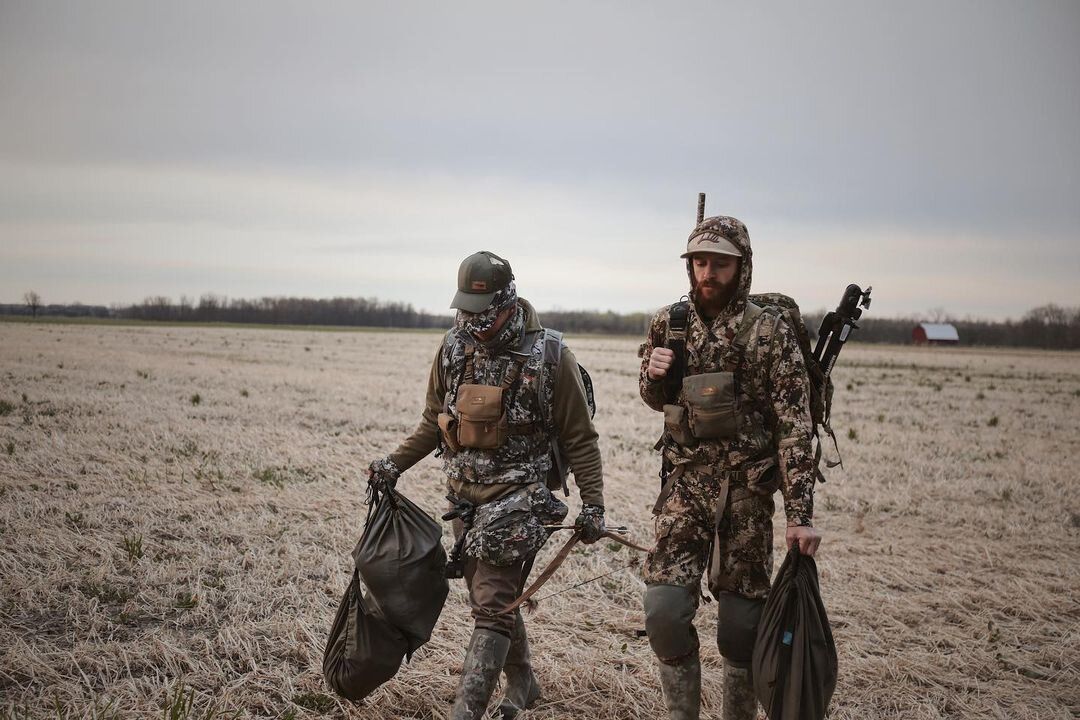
x,y
177,506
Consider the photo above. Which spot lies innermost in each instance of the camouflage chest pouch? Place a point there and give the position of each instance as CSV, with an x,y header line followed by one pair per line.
x,y
712,405
512,528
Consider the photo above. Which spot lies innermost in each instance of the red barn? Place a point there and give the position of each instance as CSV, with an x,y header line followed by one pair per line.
x,y
935,334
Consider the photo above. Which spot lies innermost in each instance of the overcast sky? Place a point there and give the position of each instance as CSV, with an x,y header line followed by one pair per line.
x,y
321,149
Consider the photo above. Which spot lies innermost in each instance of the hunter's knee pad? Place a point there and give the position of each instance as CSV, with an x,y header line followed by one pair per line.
x,y
669,620
737,621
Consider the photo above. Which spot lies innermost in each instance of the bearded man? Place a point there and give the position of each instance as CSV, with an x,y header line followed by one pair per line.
x,y
504,398
737,427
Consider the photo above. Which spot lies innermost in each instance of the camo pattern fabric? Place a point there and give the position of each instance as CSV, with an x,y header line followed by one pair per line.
x,y
773,415
511,528
686,527
384,472
740,703
522,459
483,321
722,226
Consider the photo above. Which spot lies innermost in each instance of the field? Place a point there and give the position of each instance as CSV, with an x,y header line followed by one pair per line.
x,y
177,508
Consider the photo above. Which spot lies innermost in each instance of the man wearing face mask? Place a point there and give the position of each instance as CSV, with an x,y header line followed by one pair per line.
x,y
737,427
496,407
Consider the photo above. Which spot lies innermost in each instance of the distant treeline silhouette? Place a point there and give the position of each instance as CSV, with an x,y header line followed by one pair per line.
x,y
368,312
1048,326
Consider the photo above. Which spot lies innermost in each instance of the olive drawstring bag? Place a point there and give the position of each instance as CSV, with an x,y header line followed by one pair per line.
x,y
794,662
401,564
363,650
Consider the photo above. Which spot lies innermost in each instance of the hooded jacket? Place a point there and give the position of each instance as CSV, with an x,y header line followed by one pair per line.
x,y
773,388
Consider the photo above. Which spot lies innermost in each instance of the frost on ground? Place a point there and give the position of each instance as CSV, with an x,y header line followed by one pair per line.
x,y
178,504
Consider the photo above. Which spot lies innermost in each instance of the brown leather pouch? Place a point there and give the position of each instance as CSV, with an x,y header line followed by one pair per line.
x,y
448,428
480,412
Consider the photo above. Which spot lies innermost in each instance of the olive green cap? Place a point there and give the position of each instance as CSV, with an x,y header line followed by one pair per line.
x,y
480,277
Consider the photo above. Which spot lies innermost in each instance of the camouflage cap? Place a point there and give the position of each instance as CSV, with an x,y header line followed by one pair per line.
x,y
480,277
720,235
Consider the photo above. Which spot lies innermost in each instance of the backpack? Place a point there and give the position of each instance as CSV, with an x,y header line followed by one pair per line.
x,y
780,307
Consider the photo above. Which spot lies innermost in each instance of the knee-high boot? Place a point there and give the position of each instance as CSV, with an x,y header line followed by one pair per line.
x,y
483,662
682,687
522,687
739,700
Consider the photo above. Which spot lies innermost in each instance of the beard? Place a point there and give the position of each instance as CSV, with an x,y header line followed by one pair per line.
x,y
712,298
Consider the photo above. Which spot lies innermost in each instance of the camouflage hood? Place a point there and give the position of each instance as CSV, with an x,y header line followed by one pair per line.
x,y
732,230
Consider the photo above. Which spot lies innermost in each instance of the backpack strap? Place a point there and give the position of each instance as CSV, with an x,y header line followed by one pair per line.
x,y
552,354
469,377
552,351
522,354
746,326
675,340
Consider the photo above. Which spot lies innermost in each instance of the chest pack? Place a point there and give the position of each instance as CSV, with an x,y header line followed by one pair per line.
x,y
480,421
710,406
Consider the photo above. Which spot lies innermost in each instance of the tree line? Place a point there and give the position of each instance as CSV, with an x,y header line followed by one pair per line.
x,y
346,311
1047,326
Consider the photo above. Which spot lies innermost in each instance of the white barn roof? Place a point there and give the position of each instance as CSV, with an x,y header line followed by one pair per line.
x,y
940,331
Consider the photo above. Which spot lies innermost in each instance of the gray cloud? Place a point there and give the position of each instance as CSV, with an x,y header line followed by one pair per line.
x,y
935,120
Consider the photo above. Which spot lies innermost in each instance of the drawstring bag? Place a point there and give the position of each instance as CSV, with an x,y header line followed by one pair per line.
x,y
401,564
794,662
364,650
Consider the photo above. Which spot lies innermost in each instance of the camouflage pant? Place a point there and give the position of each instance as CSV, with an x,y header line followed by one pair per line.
x,y
686,531
500,548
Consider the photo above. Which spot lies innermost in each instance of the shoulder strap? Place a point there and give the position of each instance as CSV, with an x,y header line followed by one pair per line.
x,y
553,341
522,354
746,325
678,318
470,372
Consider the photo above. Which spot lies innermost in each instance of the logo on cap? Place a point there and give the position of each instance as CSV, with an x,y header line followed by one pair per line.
x,y
479,285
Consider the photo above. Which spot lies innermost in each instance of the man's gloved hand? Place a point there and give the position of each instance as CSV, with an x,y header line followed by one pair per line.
x,y
383,473
590,523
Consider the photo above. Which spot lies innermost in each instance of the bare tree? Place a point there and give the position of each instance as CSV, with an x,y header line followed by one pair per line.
x,y
938,315
33,301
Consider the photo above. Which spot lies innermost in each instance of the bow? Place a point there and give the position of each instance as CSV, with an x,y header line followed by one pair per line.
x,y
564,552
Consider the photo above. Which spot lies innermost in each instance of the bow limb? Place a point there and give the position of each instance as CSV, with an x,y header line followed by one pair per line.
x,y
623,541
564,553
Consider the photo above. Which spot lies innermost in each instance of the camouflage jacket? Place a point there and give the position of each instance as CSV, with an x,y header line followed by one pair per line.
x,y
772,394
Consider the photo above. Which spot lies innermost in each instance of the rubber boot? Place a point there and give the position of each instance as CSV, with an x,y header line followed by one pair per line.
x,y
522,687
739,700
682,687
479,673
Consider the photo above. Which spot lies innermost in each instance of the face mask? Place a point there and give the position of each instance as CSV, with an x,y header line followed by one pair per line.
x,y
482,322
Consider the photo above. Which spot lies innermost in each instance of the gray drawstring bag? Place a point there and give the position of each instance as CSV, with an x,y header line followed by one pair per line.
x,y
401,563
794,663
